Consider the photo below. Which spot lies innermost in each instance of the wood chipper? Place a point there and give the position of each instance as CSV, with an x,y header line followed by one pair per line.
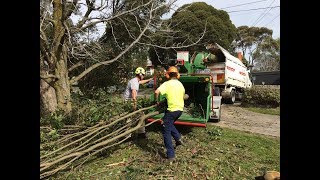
x,y
204,100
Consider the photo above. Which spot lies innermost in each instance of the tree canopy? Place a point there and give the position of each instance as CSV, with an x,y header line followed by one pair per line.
x,y
248,38
72,51
190,21
267,55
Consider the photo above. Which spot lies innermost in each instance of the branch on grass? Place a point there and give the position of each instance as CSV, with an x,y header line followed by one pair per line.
x,y
92,150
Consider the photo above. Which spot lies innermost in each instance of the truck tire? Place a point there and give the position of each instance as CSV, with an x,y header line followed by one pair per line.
x,y
232,99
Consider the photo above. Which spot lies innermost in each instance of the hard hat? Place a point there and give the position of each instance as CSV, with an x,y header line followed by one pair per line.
x,y
140,70
172,69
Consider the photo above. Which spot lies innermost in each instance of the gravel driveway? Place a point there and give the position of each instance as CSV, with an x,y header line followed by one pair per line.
x,y
235,117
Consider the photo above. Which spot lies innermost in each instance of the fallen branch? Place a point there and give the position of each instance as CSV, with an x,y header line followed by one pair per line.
x,y
93,140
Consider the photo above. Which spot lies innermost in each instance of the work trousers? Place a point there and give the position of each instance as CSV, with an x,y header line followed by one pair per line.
x,y
168,130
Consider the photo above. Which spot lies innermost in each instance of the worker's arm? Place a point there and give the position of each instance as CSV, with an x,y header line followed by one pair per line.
x,y
134,94
157,92
145,81
134,98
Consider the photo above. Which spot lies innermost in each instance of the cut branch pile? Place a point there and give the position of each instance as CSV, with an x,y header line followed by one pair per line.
x,y
76,148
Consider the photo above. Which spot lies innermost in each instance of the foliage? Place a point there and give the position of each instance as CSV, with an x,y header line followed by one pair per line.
x,y
259,96
72,50
195,110
193,17
56,119
267,55
248,38
94,106
190,21
48,136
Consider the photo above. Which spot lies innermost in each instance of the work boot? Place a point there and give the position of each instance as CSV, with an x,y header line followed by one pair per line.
x,y
142,136
171,160
179,142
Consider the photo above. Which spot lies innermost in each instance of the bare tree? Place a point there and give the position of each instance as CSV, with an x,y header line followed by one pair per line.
x,y
69,40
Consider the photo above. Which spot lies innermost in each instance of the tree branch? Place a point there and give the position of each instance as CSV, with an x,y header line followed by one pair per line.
x,y
70,10
114,59
85,17
108,19
80,63
48,76
44,47
178,47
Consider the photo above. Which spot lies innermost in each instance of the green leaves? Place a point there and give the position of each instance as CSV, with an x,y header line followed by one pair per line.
x,y
262,96
188,24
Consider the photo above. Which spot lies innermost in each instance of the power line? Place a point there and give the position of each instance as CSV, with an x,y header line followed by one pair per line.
x,y
272,20
260,17
253,9
242,4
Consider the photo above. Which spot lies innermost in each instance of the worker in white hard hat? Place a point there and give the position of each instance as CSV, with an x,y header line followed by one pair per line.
x,y
131,92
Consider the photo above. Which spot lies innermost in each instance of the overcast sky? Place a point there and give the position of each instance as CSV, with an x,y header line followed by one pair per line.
x,y
247,12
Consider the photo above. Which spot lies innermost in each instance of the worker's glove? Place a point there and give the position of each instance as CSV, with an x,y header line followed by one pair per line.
x,y
157,103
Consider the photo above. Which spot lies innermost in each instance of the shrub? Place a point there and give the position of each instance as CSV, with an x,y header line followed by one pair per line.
x,y
267,97
88,110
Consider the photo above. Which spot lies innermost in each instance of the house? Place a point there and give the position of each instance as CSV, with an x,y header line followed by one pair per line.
x,y
266,78
150,68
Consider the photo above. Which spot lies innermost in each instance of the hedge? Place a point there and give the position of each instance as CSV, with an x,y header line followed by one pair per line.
x,y
260,96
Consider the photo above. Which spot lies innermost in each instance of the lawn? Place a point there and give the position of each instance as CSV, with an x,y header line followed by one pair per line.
x,y
208,153
272,111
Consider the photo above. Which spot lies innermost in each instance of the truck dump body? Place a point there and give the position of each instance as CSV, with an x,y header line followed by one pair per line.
x,y
226,69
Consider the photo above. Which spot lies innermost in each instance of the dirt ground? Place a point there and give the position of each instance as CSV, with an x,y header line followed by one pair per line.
x,y
235,117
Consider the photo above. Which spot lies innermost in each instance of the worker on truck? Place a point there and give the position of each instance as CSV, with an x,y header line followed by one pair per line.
x,y
174,92
131,92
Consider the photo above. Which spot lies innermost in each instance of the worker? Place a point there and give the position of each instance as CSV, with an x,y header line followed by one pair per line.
x,y
131,93
174,92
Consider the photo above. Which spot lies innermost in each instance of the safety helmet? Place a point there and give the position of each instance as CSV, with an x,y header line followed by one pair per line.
x,y
172,69
140,70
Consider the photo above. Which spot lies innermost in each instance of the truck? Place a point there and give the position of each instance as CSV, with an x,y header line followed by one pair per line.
x,y
229,73
208,78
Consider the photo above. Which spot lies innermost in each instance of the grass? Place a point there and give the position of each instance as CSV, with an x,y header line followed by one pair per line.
x,y
272,111
209,153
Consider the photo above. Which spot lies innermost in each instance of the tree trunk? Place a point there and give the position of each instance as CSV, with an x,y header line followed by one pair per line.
x,y
62,86
48,100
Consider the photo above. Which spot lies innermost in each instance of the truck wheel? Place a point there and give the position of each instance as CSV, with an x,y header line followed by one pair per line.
x,y
232,99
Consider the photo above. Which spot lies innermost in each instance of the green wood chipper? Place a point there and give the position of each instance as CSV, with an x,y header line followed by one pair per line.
x,y
204,99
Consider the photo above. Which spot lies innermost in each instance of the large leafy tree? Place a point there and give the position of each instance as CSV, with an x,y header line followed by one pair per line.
x,y
267,55
249,38
189,21
71,48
